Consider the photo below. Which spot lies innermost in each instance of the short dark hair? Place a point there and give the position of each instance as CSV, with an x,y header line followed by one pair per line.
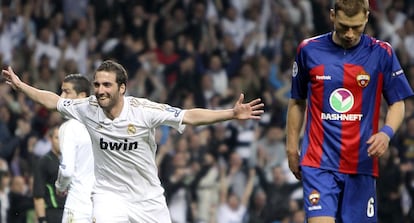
x,y
80,83
351,7
118,69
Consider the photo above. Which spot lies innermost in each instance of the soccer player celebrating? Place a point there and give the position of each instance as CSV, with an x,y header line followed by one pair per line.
x,y
338,81
122,130
76,177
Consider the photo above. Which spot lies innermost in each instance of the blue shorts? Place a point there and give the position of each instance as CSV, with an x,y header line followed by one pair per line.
x,y
346,197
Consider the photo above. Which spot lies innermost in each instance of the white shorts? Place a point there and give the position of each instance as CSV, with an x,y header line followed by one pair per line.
x,y
70,215
110,208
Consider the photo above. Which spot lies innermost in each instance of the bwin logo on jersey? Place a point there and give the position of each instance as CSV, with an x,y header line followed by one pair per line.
x,y
117,145
341,100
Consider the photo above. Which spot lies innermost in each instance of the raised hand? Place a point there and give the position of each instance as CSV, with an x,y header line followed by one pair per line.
x,y
11,78
250,110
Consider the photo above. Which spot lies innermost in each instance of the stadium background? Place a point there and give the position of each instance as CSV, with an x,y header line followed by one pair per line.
x,y
191,53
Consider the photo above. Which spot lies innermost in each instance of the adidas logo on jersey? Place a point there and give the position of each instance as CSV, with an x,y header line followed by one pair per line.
x,y
117,145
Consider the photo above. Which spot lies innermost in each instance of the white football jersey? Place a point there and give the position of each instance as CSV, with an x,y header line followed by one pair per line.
x,y
124,148
76,167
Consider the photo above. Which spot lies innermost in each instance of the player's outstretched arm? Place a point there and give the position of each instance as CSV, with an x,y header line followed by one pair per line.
x,y
240,111
45,98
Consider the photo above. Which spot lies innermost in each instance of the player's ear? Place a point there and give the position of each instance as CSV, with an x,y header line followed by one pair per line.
x,y
332,15
122,89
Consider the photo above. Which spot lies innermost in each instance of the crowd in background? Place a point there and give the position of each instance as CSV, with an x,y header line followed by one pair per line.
x,y
191,53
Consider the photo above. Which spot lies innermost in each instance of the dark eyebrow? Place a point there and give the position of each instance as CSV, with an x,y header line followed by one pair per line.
x,y
95,83
355,26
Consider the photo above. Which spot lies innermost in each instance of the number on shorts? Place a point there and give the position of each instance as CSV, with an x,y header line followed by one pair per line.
x,y
371,207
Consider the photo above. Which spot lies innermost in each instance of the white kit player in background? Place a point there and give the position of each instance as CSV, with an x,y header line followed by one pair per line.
x,y
122,129
76,174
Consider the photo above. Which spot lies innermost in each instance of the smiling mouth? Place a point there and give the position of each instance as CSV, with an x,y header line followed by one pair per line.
x,y
101,98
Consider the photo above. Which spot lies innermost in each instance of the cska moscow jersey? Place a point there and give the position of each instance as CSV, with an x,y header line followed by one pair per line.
x,y
344,89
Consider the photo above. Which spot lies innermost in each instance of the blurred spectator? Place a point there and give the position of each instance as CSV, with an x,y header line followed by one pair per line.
x,y
178,52
20,201
233,207
12,30
4,189
205,189
72,11
242,135
257,206
219,75
76,49
236,175
250,84
236,26
320,17
46,78
44,47
271,150
219,143
409,185
278,192
177,190
42,146
188,82
198,147
405,142
103,42
198,27
390,23
298,216
8,141
57,29
145,84
409,39
389,200
300,14
22,160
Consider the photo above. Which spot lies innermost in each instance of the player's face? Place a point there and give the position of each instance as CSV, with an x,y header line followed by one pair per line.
x,y
68,91
348,29
107,91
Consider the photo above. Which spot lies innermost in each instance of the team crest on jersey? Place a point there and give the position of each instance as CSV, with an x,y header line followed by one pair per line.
x,y
314,197
363,79
131,129
341,100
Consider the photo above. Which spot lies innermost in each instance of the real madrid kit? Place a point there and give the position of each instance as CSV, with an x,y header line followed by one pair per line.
x,y
127,186
76,173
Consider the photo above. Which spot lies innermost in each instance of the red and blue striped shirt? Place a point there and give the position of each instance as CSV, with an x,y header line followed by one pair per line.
x,y
344,89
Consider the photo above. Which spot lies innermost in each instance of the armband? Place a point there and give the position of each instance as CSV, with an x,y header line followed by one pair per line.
x,y
387,130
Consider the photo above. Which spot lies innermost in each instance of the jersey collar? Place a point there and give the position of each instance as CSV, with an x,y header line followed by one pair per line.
x,y
122,117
